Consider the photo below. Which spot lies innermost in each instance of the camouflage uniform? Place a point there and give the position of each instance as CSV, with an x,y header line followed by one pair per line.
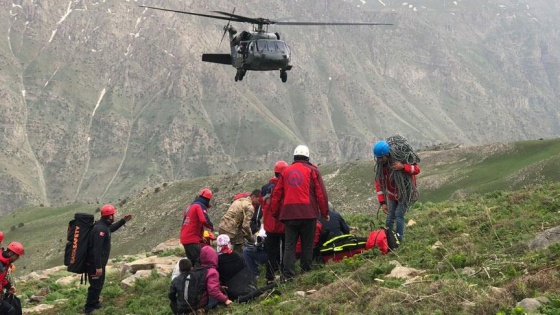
x,y
236,222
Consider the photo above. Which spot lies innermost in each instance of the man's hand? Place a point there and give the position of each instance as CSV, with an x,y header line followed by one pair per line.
x,y
228,302
384,208
12,290
128,217
397,166
327,218
98,272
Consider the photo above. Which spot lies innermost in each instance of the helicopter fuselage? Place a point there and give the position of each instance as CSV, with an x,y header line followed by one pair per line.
x,y
259,51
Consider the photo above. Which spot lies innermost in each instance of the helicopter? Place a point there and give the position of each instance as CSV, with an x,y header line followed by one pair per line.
x,y
257,50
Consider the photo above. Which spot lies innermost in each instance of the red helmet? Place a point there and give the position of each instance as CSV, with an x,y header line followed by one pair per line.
x,y
107,209
280,166
16,248
1,236
206,193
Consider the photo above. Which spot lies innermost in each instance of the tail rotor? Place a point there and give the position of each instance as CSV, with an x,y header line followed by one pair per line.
x,y
226,28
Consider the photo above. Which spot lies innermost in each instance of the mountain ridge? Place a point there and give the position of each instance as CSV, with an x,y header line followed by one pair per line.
x,y
105,98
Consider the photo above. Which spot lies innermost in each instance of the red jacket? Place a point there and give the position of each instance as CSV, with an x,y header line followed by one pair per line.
x,y
391,188
271,225
194,221
300,193
4,268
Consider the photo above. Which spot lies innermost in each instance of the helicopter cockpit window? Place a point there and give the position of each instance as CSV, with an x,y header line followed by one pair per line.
x,y
261,45
271,46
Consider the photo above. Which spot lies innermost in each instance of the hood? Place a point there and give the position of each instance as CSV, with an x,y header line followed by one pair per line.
x,y
208,257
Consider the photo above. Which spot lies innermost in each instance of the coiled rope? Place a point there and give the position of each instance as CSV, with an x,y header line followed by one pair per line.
x,y
400,151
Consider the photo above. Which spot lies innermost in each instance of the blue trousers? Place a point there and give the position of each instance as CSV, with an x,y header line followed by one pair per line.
x,y
396,213
254,257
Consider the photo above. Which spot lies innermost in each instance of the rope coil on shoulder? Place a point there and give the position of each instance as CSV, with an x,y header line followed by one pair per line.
x,y
402,152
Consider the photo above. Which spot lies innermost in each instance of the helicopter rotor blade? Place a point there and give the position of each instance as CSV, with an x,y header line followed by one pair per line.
x,y
262,21
226,27
241,18
193,13
326,23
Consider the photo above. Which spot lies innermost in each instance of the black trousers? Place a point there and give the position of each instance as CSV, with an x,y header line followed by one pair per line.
x,y
305,230
95,287
6,308
274,247
193,253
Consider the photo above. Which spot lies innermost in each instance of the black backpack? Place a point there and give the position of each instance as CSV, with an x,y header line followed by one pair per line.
x,y
195,286
78,234
392,240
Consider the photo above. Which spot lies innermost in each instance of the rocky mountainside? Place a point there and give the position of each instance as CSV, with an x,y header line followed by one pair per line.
x,y
103,98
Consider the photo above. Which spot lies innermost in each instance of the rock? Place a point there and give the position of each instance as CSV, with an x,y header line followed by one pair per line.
x,y
38,309
310,291
36,298
395,263
68,280
411,223
497,290
168,245
468,271
531,305
299,293
140,274
437,245
545,238
404,272
149,263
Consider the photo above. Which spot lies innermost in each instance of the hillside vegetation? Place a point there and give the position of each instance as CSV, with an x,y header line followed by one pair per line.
x,y
506,194
158,210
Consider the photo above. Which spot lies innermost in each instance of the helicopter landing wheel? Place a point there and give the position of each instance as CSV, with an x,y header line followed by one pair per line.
x,y
236,77
284,75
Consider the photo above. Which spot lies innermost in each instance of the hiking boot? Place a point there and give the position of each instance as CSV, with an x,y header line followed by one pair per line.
x,y
98,305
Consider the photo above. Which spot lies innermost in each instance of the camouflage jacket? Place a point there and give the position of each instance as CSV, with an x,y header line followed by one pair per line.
x,y
237,219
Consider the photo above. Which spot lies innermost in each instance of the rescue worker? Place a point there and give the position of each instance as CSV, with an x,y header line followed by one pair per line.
x,y
297,200
195,219
336,226
274,241
9,256
388,195
98,254
236,222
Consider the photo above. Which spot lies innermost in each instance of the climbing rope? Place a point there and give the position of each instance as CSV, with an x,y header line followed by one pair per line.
x,y
400,151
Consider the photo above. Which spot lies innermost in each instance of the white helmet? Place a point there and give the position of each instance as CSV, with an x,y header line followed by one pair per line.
x,y
302,150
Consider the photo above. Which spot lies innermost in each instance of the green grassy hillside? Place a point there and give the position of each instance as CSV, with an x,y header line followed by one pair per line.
x,y
483,266
158,210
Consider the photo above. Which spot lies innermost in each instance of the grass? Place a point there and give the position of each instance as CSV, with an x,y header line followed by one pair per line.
x,y
483,232
483,267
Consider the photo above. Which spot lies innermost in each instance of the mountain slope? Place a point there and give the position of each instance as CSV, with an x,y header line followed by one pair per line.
x,y
102,98
445,175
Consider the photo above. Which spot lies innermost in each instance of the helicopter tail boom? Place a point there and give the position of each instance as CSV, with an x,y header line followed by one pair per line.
x,y
224,59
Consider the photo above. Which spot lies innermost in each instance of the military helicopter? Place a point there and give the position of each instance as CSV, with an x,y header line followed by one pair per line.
x,y
257,50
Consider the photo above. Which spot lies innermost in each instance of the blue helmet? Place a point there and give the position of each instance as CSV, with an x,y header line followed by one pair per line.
x,y
380,149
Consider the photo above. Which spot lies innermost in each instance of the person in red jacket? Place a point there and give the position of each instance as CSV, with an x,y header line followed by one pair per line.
x,y
274,242
195,219
7,257
297,200
395,183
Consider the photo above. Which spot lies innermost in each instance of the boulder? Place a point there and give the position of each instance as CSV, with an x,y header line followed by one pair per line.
x,y
171,244
140,274
545,238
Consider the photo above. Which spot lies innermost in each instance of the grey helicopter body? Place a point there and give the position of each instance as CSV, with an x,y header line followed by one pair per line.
x,y
257,50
